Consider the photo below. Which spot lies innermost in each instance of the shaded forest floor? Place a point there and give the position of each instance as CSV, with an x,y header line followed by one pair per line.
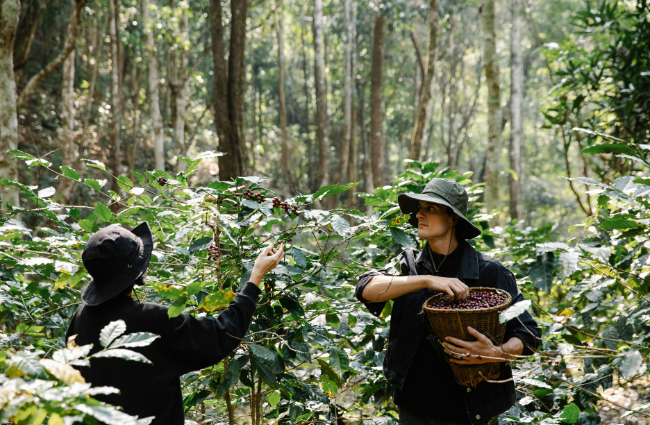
x,y
632,395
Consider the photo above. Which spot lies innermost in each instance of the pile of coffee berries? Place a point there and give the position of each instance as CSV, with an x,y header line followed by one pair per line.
x,y
255,196
162,181
213,252
288,209
476,301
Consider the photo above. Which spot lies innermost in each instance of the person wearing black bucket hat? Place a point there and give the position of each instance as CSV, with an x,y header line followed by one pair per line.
x,y
117,259
425,389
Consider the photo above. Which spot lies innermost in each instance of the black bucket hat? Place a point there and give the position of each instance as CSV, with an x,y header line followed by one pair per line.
x,y
115,258
444,192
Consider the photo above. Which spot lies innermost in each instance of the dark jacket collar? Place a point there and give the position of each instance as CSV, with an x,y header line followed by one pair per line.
x,y
468,262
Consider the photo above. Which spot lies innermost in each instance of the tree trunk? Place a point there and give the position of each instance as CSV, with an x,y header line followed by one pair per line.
x,y
322,128
180,84
236,80
376,103
30,16
352,161
116,99
153,81
344,156
427,84
490,59
68,47
286,149
366,168
9,14
69,148
516,102
99,37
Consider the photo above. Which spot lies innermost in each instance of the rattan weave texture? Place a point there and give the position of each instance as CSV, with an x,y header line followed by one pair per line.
x,y
454,323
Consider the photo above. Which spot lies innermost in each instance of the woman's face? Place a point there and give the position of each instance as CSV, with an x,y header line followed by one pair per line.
x,y
433,220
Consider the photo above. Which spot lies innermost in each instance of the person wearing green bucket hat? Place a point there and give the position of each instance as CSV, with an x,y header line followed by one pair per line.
x,y
426,391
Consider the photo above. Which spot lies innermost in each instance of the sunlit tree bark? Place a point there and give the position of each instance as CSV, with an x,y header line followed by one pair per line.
x,y
30,15
491,63
69,147
516,103
322,126
153,79
286,149
9,14
180,84
376,103
353,175
427,84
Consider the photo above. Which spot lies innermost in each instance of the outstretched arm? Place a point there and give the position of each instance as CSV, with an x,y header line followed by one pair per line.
x,y
383,288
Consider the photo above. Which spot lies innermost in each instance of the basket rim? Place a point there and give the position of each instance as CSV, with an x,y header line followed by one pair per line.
x,y
505,304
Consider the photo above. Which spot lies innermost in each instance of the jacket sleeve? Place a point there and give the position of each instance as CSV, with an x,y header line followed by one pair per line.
x,y
364,279
201,342
524,326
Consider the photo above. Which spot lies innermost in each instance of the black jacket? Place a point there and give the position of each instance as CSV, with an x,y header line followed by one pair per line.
x,y
186,344
407,326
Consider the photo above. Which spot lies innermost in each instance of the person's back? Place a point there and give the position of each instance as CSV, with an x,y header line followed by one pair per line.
x,y
186,343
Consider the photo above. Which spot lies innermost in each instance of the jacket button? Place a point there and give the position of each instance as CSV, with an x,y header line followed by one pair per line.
x,y
478,416
469,390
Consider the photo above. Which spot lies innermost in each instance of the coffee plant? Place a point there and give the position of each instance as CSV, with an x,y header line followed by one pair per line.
x,y
313,354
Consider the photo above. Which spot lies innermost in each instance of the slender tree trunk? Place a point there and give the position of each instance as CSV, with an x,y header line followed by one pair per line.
x,y
286,149
490,59
453,86
344,156
9,14
427,84
516,102
236,80
322,128
181,94
352,161
368,185
99,37
153,79
376,103
68,47
69,148
116,105
310,150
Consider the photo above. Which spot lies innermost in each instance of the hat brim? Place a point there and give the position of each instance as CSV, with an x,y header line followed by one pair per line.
x,y
408,203
100,291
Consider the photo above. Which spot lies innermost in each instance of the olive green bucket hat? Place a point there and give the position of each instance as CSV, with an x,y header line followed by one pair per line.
x,y
444,192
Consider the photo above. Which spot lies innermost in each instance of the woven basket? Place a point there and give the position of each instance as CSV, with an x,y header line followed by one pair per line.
x,y
454,323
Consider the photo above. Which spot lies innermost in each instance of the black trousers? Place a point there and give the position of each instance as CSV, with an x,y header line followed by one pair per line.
x,y
411,418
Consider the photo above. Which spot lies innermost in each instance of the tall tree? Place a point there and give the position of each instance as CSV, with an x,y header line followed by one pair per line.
x,y
377,102
286,149
516,103
69,147
344,156
153,80
428,83
491,63
352,161
322,126
179,81
68,47
30,15
228,98
116,92
9,14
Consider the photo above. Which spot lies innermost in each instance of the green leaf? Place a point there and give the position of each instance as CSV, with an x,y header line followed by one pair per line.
x,y
266,373
177,307
217,299
273,398
595,133
111,331
340,225
28,363
194,288
570,414
86,225
339,359
298,256
618,223
103,212
631,364
333,320
194,399
69,172
74,213
96,164
122,353
139,176
541,272
137,339
608,148
200,244
127,181
110,415
514,311
610,332
93,184
339,189
401,237
261,353
322,191
220,186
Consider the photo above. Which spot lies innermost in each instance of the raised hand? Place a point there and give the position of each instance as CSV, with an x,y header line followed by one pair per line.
x,y
456,289
265,262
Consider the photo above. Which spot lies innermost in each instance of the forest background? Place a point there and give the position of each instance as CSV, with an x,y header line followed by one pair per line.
x,y
539,108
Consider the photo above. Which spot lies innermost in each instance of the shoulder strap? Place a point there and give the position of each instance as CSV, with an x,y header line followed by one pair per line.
x,y
410,262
